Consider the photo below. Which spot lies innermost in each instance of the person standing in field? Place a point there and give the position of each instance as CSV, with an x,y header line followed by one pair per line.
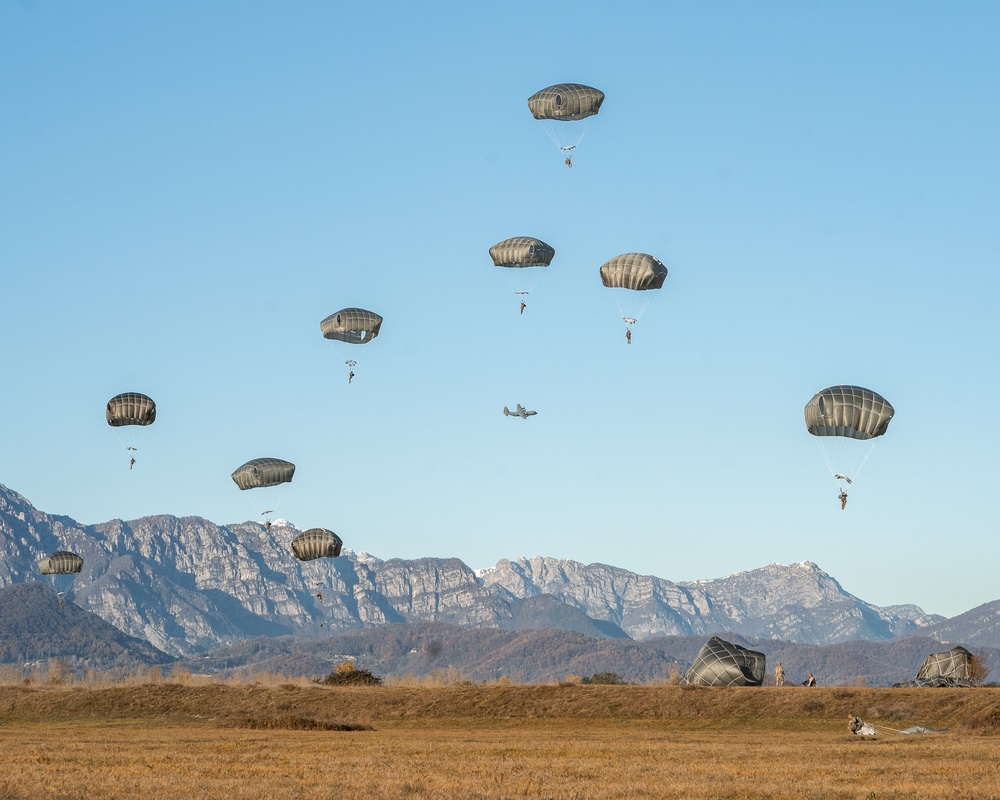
x,y
779,675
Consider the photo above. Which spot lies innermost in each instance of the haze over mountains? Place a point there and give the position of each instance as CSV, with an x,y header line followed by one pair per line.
x,y
187,586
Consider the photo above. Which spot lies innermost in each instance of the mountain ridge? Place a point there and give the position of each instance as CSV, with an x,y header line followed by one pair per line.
x,y
187,585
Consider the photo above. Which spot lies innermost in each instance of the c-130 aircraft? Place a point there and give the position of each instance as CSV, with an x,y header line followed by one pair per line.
x,y
521,412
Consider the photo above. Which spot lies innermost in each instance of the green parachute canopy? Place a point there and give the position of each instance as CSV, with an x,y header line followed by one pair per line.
x,y
633,271
722,663
61,562
850,411
60,569
351,325
130,408
261,472
566,102
521,251
316,543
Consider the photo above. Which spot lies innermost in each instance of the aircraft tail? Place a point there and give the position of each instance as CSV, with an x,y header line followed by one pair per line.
x,y
506,412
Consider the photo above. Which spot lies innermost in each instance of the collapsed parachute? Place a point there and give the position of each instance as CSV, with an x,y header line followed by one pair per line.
x,y
61,568
515,255
847,420
352,326
954,668
721,663
267,474
562,103
316,543
133,412
630,277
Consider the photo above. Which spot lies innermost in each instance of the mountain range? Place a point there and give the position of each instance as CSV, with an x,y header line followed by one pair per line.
x,y
188,586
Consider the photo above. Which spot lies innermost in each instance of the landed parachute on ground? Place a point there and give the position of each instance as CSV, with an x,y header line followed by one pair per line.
x,y
565,103
722,663
130,413
61,568
954,668
316,543
516,255
630,277
847,419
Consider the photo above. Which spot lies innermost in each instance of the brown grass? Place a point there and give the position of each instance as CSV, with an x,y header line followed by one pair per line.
x,y
250,742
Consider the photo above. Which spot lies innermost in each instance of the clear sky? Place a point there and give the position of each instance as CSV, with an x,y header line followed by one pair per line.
x,y
188,188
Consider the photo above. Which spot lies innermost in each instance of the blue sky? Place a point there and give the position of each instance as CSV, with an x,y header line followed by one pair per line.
x,y
187,189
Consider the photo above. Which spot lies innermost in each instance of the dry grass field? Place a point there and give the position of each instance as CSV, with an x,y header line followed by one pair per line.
x,y
297,740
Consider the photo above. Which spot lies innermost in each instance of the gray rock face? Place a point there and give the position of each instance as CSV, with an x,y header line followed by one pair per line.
x,y
187,585
797,602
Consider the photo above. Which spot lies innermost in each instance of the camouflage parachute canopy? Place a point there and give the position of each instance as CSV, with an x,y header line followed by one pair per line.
x,y
566,102
850,411
263,472
130,408
522,251
956,663
60,563
721,663
636,271
351,325
316,543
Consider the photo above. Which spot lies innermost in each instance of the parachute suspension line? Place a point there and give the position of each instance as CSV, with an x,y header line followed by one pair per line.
x,y
868,451
524,286
568,135
826,456
131,443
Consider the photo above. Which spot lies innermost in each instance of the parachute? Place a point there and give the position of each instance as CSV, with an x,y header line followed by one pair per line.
x,y
130,413
61,568
311,546
630,277
721,663
847,420
263,472
316,543
566,102
954,668
266,474
352,326
130,408
518,253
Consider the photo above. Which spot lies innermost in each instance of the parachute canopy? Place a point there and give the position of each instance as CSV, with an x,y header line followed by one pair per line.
x,y
721,663
954,668
956,663
351,325
566,102
61,562
850,411
263,472
635,271
316,543
130,408
522,251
